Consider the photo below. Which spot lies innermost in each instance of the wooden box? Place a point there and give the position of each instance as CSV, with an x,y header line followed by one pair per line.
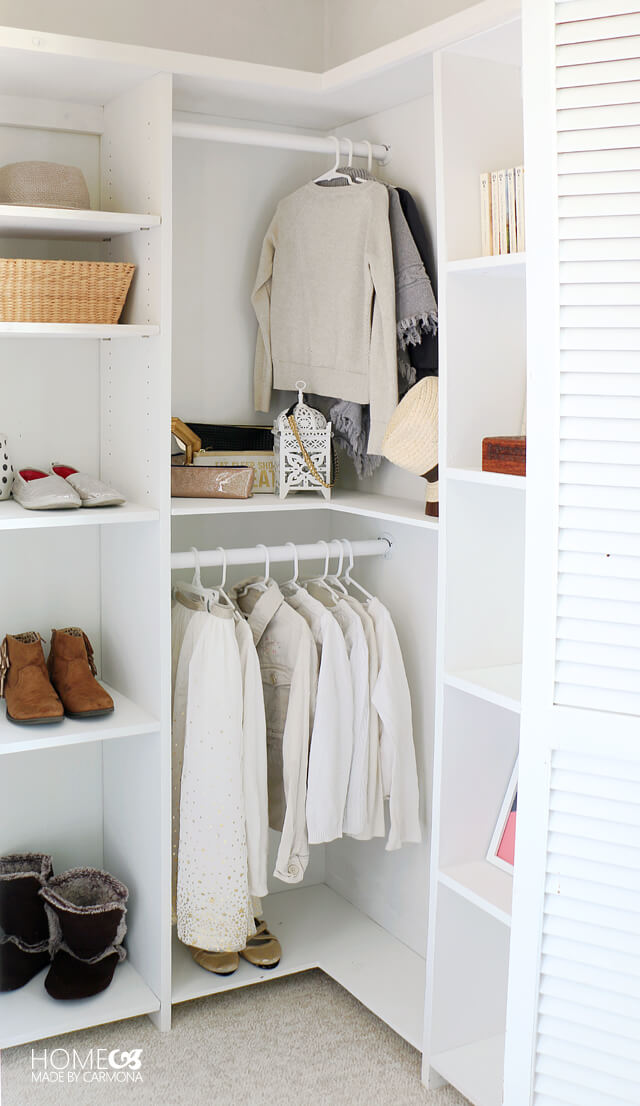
x,y
507,455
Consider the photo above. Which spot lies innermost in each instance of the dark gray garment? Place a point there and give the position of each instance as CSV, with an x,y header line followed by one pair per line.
x,y
350,424
424,357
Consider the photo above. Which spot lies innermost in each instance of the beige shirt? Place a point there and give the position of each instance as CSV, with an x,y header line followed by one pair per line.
x,y
289,668
324,296
364,807
392,700
332,736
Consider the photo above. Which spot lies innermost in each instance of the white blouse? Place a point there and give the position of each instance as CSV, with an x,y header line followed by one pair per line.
x,y
332,735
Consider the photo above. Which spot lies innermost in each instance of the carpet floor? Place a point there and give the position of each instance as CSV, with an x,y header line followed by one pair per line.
x,y
297,1041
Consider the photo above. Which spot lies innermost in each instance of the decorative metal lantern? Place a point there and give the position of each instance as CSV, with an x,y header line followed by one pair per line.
x,y
302,449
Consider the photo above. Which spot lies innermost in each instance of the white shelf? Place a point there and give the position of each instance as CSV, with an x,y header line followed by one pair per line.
x,y
30,1014
476,1070
386,507
508,264
127,720
17,221
491,479
15,517
76,330
410,512
500,685
319,929
483,884
256,505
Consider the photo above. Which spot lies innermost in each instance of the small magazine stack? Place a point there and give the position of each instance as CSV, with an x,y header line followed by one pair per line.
x,y
502,211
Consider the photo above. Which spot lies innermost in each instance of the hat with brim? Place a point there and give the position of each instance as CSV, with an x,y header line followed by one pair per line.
x,y
43,184
411,438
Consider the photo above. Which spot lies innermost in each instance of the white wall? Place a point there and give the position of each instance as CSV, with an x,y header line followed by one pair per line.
x,y
276,32
353,27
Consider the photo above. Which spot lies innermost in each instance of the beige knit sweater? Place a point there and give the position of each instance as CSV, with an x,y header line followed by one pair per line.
x,y
325,300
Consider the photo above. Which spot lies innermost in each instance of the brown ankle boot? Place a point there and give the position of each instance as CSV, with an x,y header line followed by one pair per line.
x,y
72,670
24,681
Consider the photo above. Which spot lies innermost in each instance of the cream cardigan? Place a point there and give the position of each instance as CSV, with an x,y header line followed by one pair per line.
x,y
325,300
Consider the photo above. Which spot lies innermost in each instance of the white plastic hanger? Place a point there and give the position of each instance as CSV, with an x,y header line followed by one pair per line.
x,y
334,171
365,142
346,577
262,584
223,598
334,578
354,180
322,581
293,584
196,588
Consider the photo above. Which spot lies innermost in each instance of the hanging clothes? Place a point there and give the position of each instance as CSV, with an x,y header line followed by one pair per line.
x,y
392,700
423,356
324,297
180,619
254,765
183,638
213,905
370,778
416,307
289,670
416,321
331,746
362,817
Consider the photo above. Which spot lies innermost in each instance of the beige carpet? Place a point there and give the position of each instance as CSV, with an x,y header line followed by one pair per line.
x,y
297,1041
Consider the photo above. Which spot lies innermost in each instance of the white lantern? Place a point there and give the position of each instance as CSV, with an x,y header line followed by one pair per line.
x,y
302,462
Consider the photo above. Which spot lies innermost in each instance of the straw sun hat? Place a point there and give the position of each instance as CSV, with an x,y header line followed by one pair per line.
x,y
43,184
411,438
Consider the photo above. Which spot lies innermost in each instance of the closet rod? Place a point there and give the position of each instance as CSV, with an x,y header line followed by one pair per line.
x,y
211,558
279,140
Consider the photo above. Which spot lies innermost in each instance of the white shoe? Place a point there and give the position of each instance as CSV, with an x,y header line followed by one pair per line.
x,y
92,492
36,491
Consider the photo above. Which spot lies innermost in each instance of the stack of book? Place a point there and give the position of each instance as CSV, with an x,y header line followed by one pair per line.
x,y
502,211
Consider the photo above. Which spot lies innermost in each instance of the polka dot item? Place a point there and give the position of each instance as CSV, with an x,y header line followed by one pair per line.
x,y
6,468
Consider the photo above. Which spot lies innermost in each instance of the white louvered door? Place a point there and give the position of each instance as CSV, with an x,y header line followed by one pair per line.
x,y
573,1034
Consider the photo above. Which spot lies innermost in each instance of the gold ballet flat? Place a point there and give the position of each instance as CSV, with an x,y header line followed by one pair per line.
x,y
222,963
263,950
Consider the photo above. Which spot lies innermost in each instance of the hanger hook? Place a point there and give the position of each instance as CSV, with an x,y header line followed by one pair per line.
x,y
266,560
338,571
223,554
349,142
349,546
296,567
334,138
196,567
365,142
327,555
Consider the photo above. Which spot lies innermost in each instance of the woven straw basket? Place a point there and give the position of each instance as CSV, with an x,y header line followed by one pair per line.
x,y
62,291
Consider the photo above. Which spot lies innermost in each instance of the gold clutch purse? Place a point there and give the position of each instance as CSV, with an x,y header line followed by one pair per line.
x,y
191,481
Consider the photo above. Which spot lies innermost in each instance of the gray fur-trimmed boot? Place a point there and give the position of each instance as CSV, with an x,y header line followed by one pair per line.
x,y
86,909
24,944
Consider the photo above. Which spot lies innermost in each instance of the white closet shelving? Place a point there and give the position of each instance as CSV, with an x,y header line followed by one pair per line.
x,y
92,791
15,517
320,929
85,226
105,331
127,720
361,914
385,507
479,127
